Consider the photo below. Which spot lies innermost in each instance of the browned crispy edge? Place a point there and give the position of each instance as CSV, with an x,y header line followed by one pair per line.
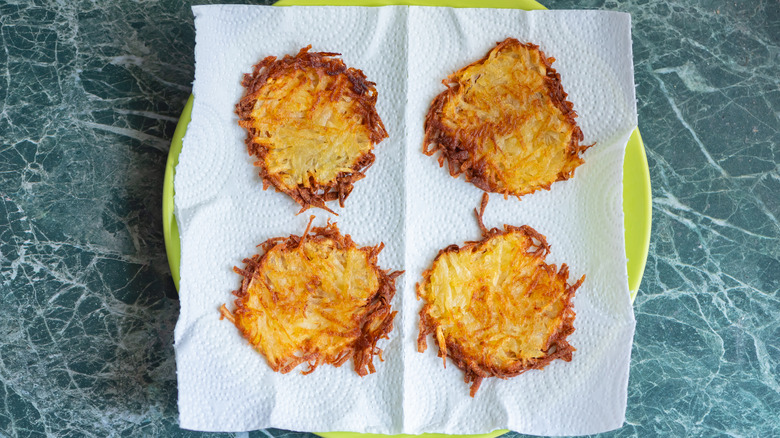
x,y
557,346
376,323
457,153
361,91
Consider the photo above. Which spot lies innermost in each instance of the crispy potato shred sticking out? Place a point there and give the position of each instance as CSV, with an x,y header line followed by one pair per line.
x,y
312,124
316,298
505,123
495,307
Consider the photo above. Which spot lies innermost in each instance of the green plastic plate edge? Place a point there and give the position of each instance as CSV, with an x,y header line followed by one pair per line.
x,y
637,196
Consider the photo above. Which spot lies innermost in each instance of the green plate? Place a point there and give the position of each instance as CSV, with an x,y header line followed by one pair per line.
x,y
637,199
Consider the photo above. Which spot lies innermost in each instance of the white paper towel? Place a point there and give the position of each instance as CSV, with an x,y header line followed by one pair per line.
x,y
415,208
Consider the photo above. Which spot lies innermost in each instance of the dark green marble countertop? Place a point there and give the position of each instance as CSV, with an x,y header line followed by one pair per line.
x,y
90,93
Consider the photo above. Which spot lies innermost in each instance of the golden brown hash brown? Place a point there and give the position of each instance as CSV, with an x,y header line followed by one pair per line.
x,y
316,298
312,124
495,307
505,123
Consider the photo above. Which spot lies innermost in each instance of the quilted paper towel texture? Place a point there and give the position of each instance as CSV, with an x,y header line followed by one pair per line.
x,y
225,385
582,219
223,213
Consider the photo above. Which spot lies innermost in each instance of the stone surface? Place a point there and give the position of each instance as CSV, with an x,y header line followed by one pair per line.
x,y
90,93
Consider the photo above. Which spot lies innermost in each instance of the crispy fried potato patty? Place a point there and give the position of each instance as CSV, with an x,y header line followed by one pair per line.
x,y
505,123
312,124
495,307
316,298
